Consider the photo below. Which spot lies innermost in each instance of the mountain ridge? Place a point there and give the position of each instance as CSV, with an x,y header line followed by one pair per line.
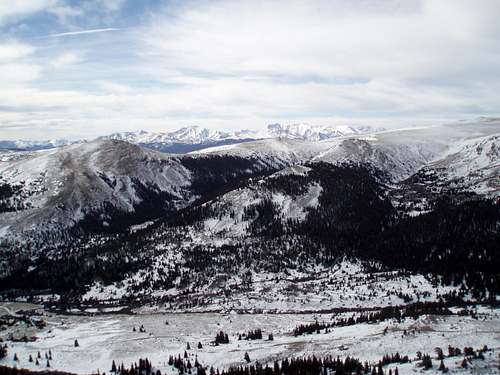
x,y
193,138
160,222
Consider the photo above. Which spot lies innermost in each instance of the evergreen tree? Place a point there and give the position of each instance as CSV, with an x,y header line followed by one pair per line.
x,y
442,367
464,363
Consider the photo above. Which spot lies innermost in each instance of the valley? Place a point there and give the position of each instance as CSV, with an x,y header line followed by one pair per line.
x,y
359,246
157,336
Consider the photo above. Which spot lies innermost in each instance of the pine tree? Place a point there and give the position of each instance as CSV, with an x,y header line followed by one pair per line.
x,y
113,366
464,363
199,345
426,362
188,347
16,358
247,357
442,367
76,343
439,353
30,359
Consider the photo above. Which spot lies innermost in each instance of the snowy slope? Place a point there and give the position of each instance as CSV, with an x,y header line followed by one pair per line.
x,y
286,151
60,186
401,153
231,218
473,165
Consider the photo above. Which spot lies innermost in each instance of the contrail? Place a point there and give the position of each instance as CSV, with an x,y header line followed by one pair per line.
x,y
92,31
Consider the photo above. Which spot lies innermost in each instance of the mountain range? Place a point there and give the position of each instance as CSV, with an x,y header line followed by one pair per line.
x,y
111,213
196,138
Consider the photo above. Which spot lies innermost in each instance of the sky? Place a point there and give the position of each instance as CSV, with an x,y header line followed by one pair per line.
x,y
84,68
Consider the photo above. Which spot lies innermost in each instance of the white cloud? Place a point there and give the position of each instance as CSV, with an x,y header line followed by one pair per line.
x,y
14,69
106,5
115,88
328,39
65,12
245,64
14,74
13,10
65,59
14,50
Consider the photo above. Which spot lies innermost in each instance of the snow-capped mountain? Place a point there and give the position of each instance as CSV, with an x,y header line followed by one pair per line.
x,y
185,139
316,132
27,145
360,193
64,185
59,187
187,135
469,166
194,138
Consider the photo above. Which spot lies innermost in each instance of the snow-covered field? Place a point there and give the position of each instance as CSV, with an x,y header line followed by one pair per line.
x,y
103,338
314,288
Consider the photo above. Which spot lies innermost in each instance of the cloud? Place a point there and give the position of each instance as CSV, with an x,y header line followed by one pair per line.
x,y
238,64
14,74
14,68
65,59
383,58
106,5
327,39
14,50
11,11
65,12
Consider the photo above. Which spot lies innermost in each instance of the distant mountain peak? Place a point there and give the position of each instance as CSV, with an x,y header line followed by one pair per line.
x,y
309,132
195,137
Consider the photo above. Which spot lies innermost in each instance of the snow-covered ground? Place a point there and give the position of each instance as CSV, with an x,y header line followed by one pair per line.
x,y
315,288
103,338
